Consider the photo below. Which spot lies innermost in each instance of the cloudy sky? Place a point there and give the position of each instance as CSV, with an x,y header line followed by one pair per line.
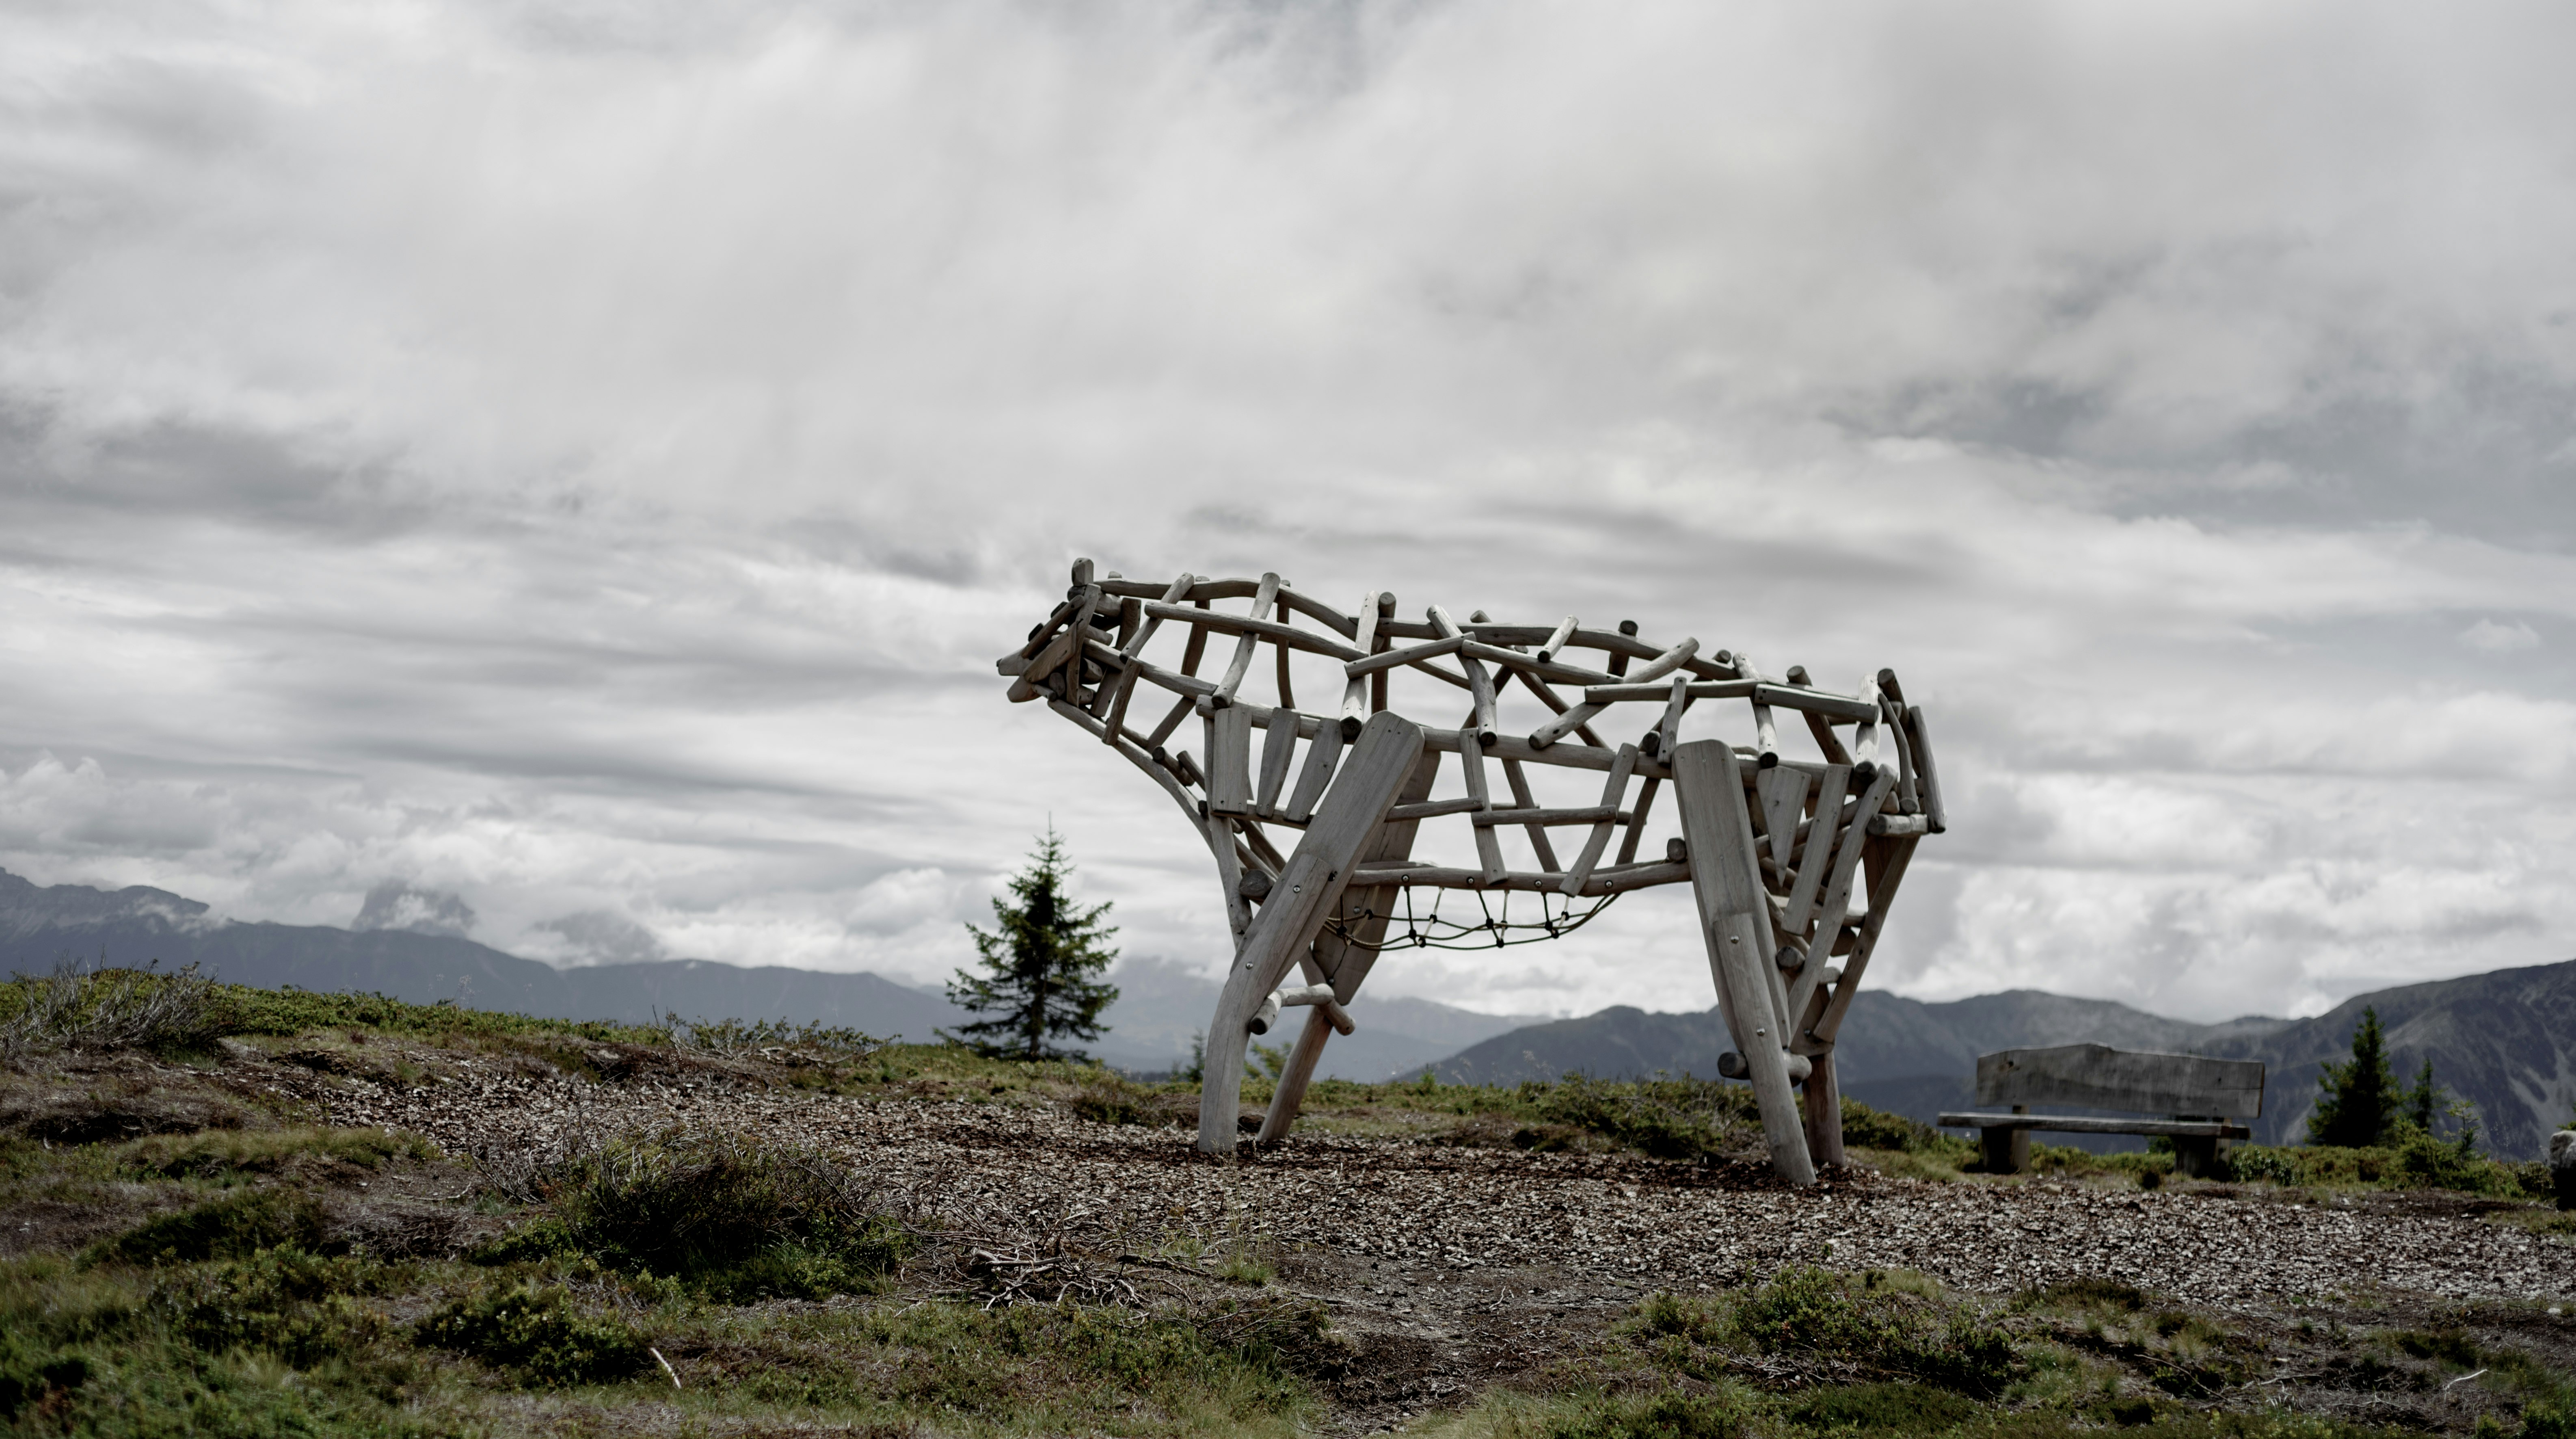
x,y
586,456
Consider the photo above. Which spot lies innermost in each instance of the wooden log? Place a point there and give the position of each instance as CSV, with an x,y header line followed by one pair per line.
x,y
1471,755
1317,773
1479,683
1248,639
1525,664
1766,735
1196,648
1660,666
1067,645
1761,692
1292,598
1171,721
1837,893
1556,639
1735,922
1355,689
1822,1099
1278,746
1287,695
1229,748
1891,858
1637,819
1289,1094
1410,654
1251,630
1668,731
1611,794
1347,949
1864,746
1433,809
1305,895
1908,801
1548,697
1828,743
1588,814
1899,824
1936,821
1521,799
1610,879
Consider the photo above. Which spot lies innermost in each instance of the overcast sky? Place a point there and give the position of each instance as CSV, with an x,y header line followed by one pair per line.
x,y
587,456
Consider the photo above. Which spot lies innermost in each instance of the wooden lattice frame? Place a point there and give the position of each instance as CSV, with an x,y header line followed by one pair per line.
x,y
1750,820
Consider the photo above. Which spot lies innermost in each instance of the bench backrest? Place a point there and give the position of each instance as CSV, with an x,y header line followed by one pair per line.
x,y
2100,1077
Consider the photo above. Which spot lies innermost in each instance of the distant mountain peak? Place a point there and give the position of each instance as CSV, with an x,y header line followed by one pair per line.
x,y
396,904
26,908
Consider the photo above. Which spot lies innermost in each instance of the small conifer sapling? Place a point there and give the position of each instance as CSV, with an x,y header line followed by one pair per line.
x,y
1042,961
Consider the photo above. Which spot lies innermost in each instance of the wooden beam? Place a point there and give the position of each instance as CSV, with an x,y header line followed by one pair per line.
x,y
1735,921
1304,895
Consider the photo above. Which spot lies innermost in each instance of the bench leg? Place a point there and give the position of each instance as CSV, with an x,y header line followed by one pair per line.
x,y
2195,1157
2007,1151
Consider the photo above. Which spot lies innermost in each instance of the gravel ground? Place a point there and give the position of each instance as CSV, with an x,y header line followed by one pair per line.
x,y
1405,1207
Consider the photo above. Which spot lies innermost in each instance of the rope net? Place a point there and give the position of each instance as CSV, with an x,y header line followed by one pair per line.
x,y
1431,931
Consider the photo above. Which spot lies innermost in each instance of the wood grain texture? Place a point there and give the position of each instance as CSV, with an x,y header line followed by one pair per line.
x,y
2096,1076
1381,761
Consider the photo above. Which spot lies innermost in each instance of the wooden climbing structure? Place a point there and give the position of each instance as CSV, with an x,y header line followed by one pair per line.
x,y
1793,861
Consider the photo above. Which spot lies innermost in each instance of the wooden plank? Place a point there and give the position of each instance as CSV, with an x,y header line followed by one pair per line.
x,y
1735,922
2096,1076
1838,880
1229,750
1278,746
1343,957
1521,799
2098,1124
1817,859
1317,773
1611,793
1306,892
1887,859
1784,800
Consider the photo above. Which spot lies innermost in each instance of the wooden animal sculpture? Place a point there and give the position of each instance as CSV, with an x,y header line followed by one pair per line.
x,y
1793,862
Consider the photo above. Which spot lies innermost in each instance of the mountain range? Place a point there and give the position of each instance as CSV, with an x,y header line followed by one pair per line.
x,y
2504,1041
405,944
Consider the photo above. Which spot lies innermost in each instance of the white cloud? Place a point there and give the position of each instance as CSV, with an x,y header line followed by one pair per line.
x,y
585,460
2496,639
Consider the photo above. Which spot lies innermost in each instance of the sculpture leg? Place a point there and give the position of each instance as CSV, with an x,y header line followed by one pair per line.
x,y
1298,904
1824,1097
1291,1092
1735,920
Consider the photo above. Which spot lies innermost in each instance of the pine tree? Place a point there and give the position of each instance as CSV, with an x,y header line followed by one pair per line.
x,y
2424,1101
1041,966
2358,1099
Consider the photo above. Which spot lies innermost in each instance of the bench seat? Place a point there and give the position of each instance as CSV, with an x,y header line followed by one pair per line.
x,y
2097,1124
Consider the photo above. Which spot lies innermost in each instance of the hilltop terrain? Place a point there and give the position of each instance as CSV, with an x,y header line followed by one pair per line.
x,y
249,1212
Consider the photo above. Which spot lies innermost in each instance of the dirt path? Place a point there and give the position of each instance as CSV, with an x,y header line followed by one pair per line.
x,y
1630,1223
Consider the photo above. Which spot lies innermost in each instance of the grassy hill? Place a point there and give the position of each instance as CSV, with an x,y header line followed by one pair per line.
x,y
247,1212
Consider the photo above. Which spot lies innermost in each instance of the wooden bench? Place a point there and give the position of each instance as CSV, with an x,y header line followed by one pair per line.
x,y
2200,1094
